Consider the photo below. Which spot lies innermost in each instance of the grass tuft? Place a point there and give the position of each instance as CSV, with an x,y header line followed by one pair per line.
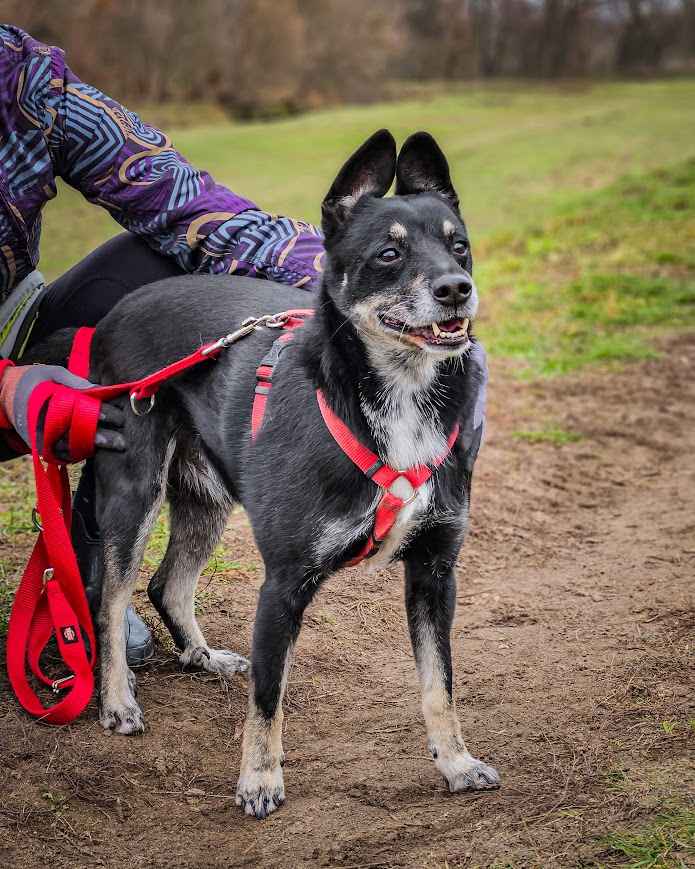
x,y
668,843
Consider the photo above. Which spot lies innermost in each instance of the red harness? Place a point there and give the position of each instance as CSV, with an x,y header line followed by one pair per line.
x,y
50,599
368,462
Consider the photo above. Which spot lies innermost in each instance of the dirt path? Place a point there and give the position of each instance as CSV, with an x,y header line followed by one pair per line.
x,y
574,625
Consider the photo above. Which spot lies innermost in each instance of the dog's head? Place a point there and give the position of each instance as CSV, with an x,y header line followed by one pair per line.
x,y
399,268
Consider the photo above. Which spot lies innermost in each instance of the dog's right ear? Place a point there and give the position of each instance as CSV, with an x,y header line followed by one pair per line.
x,y
369,172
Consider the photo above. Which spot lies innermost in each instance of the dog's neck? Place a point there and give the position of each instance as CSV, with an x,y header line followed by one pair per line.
x,y
402,403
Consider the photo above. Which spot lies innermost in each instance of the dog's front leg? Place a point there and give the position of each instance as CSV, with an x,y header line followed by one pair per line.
x,y
261,789
430,603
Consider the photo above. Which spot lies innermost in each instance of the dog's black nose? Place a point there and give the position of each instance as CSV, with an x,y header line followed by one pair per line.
x,y
453,289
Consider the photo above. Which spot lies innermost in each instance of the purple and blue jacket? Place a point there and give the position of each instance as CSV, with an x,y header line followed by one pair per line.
x,y
52,125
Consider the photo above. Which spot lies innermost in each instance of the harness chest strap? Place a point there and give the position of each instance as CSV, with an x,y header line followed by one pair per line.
x,y
382,475
390,505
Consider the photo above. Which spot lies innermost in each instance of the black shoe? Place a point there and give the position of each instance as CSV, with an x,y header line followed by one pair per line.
x,y
139,640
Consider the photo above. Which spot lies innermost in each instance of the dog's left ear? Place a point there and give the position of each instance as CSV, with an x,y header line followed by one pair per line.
x,y
423,168
370,171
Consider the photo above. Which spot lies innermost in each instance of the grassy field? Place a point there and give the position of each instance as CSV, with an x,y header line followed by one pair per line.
x,y
580,202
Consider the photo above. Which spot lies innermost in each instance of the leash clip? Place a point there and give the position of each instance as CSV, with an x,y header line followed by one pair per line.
x,y
250,324
59,684
47,575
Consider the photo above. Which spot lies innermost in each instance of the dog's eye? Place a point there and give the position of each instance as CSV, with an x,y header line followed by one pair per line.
x,y
460,247
389,255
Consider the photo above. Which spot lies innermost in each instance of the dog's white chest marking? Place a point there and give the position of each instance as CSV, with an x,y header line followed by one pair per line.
x,y
411,436
406,427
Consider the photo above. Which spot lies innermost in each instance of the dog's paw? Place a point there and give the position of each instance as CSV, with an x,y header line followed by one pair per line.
x,y
123,716
463,772
260,792
219,661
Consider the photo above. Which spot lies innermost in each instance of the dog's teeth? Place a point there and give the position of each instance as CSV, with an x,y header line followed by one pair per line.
x,y
436,330
464,324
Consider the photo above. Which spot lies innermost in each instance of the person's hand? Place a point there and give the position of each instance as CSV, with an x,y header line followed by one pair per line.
x,y
16,386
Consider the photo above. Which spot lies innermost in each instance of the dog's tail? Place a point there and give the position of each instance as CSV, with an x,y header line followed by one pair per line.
x,y
53,350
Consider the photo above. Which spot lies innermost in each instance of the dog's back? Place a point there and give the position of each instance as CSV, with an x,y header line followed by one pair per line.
x,y
164,321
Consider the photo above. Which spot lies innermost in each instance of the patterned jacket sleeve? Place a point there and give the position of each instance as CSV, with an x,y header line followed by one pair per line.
x,y
131,169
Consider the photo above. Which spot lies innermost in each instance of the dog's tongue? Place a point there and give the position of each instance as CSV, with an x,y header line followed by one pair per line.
x,y
449,325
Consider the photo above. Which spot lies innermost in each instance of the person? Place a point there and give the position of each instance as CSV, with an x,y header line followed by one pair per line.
x,y
178,220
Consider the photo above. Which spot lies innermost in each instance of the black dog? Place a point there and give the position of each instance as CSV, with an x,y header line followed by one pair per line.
x,y
391,350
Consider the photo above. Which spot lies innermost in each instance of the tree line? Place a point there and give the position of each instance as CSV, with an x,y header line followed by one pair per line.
x,y
261,57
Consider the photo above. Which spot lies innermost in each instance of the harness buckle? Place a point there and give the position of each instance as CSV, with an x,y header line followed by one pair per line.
x,y
133,405
397,487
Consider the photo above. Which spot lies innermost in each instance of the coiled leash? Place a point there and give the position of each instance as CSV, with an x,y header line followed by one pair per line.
x,y
50,600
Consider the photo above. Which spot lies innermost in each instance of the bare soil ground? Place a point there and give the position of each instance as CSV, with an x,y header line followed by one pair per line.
x,y
574,626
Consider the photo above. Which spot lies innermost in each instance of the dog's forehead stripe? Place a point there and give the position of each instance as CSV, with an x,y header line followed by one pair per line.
x,y
398,231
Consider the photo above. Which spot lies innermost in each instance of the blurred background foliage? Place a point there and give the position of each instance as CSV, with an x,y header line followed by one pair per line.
x,y
569,126
263,58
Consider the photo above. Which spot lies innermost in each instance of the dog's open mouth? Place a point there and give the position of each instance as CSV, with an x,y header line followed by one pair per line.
x,y
447,333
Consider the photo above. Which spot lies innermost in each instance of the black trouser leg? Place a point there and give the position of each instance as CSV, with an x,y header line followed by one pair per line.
x,y
90,289
86,539
85,294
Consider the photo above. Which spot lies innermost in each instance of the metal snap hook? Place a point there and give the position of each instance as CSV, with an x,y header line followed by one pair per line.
x,y
133,405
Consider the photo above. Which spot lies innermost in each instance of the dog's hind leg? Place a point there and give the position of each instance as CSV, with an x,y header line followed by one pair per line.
x,y
430,602
199,509
129,498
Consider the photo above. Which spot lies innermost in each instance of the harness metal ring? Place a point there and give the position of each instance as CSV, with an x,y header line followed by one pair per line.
x,y
133,404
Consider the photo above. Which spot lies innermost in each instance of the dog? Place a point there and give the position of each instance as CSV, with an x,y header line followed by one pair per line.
x,y
391,350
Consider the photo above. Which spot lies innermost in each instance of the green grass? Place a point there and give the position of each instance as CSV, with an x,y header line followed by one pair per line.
x,y
667,843
577,263
598,280
516,152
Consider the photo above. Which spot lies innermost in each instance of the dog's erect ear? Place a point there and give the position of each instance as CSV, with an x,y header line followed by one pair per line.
x,y
370,171
422,168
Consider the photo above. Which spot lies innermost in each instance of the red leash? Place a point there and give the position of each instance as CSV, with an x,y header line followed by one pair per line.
x,y
50,599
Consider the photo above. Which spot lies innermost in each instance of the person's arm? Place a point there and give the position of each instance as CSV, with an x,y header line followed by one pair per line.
x,y
131,169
